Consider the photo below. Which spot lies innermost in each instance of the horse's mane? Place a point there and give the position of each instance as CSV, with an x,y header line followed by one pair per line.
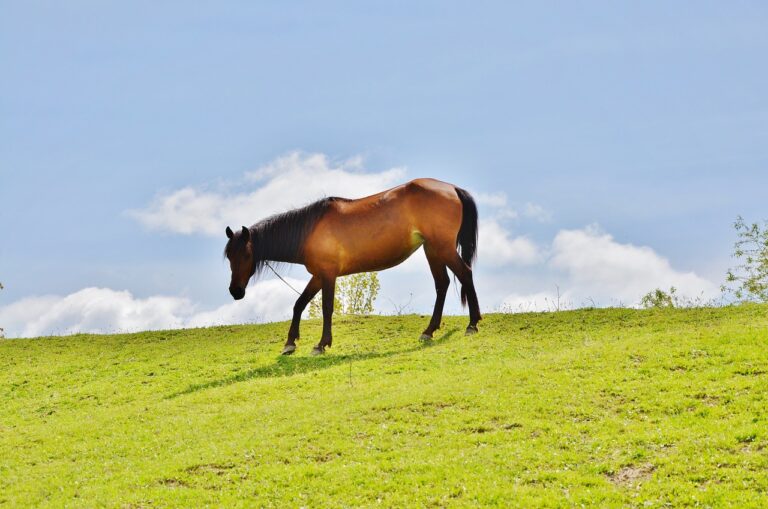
x,y
281,237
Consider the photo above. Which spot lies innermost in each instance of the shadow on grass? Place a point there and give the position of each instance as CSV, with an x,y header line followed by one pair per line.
x,y
291,365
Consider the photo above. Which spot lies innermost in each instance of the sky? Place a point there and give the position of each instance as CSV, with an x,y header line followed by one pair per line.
x,y
610,147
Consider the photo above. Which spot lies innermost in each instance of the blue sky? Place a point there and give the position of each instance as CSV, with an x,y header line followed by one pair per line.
x,y
644,123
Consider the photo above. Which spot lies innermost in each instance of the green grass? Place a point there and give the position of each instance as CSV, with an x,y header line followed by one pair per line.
x,y
609,407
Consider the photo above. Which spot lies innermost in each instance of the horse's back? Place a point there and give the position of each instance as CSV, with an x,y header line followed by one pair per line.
x,y
382,230
425,205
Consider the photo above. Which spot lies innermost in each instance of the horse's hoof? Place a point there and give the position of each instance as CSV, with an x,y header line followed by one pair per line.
x,y
289,349
317,351
425,337
472,329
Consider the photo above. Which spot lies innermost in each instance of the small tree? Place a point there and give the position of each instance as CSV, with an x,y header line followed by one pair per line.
x,y
316,305
1,329
748,280
355,295
658,298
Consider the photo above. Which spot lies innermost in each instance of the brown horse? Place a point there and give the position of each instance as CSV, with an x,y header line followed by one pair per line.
x,y
336,236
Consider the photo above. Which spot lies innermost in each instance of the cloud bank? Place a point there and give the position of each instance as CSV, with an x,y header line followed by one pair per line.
x,y
288,182
498,247
591,266
102,310
297,179
595,262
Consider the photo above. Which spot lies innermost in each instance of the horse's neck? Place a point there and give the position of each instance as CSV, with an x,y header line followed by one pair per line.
x,y
272,249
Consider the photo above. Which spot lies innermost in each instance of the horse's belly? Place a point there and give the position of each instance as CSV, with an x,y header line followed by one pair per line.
x,y
379,253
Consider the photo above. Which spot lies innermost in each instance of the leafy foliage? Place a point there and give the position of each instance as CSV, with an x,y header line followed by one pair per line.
x,y
355,295
748,280
358,292
658,298
316,305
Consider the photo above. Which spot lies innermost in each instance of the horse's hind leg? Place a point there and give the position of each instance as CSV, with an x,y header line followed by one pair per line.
x,y
329,290
442,281
464,273
293,333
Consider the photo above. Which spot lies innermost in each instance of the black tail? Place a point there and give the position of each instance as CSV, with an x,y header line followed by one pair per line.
x,y
467,238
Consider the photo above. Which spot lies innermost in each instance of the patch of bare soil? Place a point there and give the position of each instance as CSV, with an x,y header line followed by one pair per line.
x,y
632,475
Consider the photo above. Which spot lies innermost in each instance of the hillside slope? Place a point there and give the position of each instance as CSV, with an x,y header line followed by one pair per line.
x,y
613,407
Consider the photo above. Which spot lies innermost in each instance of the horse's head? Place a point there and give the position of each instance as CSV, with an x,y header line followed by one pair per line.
x,y
239,252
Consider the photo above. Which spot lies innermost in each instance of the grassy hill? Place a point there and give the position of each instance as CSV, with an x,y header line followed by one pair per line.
x,y
610,407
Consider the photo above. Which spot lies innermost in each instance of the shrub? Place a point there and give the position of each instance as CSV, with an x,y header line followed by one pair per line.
x,y
355,295
658,298
748,280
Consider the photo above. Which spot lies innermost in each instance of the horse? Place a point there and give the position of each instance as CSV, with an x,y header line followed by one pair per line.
x,y
336,236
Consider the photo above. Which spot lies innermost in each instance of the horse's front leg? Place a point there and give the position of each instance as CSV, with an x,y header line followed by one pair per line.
x,y
309,292
329,291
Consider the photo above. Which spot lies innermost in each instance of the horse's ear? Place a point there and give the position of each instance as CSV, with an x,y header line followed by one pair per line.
x,y
246,234
229,233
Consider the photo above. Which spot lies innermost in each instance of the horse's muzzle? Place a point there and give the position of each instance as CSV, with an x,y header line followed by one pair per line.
x,y
237,293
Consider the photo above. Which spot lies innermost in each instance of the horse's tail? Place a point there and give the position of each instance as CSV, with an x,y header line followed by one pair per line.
x,y
467,238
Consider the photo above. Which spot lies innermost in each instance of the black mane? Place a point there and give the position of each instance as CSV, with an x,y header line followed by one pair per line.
x,y
280,238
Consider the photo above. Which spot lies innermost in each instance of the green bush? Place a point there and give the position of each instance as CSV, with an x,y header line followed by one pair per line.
x,y
748,280
658,298
355,295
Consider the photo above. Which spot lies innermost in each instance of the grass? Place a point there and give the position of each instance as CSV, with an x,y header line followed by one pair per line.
x,y
608,407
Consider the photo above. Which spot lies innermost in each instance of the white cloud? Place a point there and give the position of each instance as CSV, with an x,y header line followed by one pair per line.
x,y
498,208
266,301
537,212
496,200
102,310
591,268
597,266
497,204
496,247
296,179
92,310
288,182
